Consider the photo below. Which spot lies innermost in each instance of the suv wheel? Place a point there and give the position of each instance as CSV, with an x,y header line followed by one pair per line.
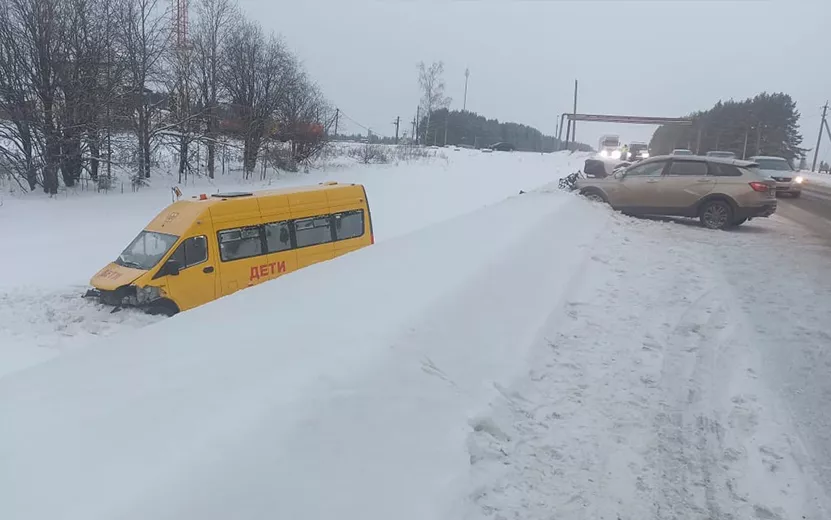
x,y
716,214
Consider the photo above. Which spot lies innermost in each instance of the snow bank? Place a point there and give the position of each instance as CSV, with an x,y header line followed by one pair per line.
x,y
341,391
59,243
823,179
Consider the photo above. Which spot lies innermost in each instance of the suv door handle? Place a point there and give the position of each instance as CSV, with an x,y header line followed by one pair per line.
x,y
208,269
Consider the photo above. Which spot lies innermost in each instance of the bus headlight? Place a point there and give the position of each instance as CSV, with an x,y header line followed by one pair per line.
x,y
616,154
147,294
604,153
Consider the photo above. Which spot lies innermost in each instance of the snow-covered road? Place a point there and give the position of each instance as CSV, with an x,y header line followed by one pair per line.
x,y
539,358
678,381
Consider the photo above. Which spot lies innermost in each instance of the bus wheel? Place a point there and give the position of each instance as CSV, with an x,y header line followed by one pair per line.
x,y
163,308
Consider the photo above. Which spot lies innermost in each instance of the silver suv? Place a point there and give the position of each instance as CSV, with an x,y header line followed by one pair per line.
x,y
779,169
721,192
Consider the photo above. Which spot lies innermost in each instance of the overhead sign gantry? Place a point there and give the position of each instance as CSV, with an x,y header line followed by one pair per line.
x,y
605,118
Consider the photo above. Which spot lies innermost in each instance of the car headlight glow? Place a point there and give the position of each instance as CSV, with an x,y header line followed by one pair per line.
x,y
604,153
798,179
645,155
616,154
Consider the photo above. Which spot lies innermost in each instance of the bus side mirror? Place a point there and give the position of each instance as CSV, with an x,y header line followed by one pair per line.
x,y
172,268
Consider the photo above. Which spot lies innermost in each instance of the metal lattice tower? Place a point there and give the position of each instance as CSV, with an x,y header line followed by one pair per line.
x,y
181,23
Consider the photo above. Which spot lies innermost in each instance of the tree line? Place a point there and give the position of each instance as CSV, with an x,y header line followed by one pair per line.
x,y
439,125
470,129
766,124
88,84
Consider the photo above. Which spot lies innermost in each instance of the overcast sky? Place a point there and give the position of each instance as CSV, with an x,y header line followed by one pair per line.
x,y
655,58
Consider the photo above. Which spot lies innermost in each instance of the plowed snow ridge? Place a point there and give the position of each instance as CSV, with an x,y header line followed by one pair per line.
x,y
365,365
66,240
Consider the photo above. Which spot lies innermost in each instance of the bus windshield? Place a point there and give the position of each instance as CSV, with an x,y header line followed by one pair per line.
x,y
146,250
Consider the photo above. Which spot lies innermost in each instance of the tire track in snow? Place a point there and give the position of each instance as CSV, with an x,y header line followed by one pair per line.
x,y
568,444
689,428
645,402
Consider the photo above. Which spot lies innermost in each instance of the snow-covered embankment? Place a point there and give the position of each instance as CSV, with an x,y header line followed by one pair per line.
x,y
345,390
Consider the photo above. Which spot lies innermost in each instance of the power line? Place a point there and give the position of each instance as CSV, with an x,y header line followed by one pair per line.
x,y
342,113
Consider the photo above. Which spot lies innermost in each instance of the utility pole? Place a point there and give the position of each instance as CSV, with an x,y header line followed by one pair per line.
x,y
568,133
418,123
337,115
467,76
759,139
744,150
819,137
414,129
446,119
557,136
574,123
698,141
397,122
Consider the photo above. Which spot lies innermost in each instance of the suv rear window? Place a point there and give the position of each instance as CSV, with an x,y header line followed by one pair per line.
x,y
724,170
698,168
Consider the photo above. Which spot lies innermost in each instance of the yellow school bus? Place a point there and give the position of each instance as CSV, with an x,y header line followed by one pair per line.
x,y
207,247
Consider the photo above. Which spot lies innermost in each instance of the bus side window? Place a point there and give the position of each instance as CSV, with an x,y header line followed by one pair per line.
x,y
349,224
313,231
196,250
277,237
192,251
238,243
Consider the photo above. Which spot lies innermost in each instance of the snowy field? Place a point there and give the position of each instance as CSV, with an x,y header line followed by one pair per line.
x,y
500,356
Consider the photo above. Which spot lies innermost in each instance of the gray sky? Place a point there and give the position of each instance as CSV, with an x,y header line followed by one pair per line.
x,y
524,56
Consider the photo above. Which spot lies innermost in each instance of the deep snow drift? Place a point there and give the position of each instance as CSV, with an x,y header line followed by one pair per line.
x,y
58,244
339,391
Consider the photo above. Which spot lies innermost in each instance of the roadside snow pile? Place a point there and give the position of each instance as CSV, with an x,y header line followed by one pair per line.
x,y
346,390
60,243
823,179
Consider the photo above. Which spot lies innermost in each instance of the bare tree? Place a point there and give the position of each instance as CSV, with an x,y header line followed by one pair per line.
x,y
83,53
431,82
145,33
303,115
183,114
17,105
215,20
39,30
255,71
75,74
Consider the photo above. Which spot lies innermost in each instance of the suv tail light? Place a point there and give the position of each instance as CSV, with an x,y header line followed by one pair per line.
x,y
759,186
